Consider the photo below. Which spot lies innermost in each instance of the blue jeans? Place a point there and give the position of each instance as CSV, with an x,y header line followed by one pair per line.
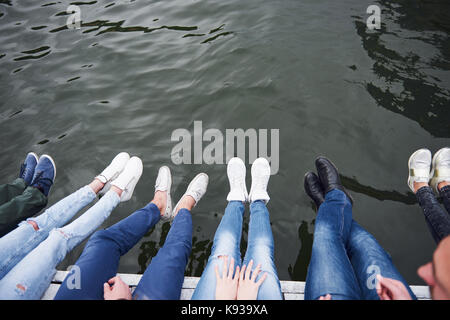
x,y
19,242
345,258
437,219
99,261
227,243
33,274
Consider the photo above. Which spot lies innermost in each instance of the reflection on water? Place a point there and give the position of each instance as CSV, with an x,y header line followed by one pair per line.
x,y
299,270
407,82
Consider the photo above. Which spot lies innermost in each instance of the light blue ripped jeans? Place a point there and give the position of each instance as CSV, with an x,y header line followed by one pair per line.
x,y
19,242
29,278
259,249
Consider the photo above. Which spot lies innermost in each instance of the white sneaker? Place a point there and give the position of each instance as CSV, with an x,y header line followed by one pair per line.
x,y
236,178
260,179
441,168
129,177
164,183
419,165
112,171
196,189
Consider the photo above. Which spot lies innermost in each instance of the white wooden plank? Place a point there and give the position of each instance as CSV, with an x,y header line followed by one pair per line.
x,y
292,290
51,291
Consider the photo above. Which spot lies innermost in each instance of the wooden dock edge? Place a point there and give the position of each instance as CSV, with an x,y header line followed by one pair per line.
x,y
292,290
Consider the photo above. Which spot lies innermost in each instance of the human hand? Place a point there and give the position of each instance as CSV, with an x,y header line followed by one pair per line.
x,y
325,297
247,287
116,289
390,289
226,286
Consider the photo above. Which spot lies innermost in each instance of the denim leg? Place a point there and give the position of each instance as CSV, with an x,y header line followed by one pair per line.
x,y
226,243
437,218
368,259
330,270
260,250
100,258
164,277
35,271
29,279
445,194
22,240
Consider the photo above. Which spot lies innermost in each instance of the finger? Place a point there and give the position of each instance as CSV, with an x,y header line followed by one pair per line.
x,y
112,280
241,275
378,284
231,269
224,270
237,273
255,273
106,287
328,296
216,269
261,280
249,269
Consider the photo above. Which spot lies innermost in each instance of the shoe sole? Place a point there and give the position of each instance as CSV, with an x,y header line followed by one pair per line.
x,y
433,168
131,190
242,164
190,184
169,198
409,164
266,162
53,163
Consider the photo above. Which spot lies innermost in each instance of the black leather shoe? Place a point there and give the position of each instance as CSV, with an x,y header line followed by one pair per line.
x,y
313,188
329,176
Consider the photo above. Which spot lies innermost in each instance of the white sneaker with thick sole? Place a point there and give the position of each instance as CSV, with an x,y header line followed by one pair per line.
x,y
260,179
164,183
127,180
196,189
236,177
112,171
419,165
440,168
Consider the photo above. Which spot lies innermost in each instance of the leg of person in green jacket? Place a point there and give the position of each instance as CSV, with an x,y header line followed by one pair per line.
x,y
27,195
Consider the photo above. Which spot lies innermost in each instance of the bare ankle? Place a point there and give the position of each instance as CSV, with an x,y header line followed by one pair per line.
x,y
117,190
96,185
160,200
443,184
418,185
186,203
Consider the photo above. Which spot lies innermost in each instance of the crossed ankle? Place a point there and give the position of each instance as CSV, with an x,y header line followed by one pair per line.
x,y
96,185
443,184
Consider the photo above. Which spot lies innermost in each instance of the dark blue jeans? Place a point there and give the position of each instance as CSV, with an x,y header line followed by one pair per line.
x,y
345,258
164,276
437,219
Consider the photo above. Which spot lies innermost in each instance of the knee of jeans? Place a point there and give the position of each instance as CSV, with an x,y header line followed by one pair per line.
x,y
101,236
31,222
325,230
225,242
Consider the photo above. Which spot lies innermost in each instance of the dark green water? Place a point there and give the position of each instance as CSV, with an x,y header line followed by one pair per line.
x,y
137,70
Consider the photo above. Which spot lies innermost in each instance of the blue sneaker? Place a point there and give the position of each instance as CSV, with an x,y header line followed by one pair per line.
x,y
44,174
27,167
